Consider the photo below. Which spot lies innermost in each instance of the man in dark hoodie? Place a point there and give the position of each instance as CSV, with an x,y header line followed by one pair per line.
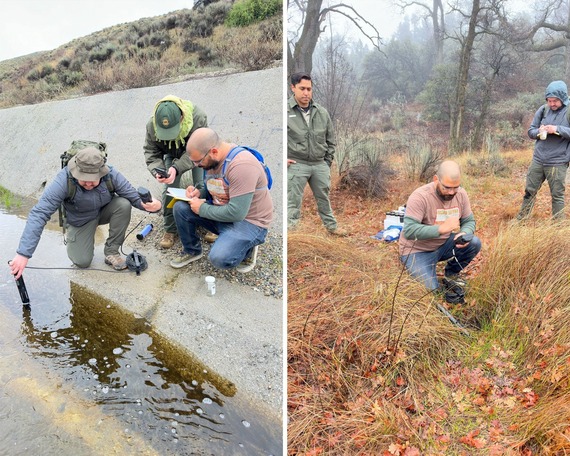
x,y
551,129
167,132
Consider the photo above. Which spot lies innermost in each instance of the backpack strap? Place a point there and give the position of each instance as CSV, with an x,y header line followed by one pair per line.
x,y
236,150
231,155
545,109
543,114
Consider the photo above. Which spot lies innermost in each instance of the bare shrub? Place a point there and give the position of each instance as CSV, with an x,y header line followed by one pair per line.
x,y
363,167
137,72
422,161
250,47
99,79
490,161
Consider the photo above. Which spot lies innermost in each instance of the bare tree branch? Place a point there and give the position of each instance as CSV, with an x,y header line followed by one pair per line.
x,y
376,40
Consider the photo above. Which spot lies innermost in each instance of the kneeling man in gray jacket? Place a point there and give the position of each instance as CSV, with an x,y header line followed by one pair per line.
x,y
92,204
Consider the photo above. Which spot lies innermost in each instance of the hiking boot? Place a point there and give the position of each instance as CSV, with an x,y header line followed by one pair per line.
x,y
184,259
249,263
116,261
168,240
210,237
454,281
454,290
338,232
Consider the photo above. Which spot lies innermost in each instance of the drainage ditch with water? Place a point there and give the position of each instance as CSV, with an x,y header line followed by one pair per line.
x,y
79,375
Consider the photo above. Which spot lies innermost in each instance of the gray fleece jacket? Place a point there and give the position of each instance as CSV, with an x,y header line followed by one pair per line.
x,y
555,149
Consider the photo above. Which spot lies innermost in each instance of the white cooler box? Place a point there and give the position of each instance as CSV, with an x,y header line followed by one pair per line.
x,y
394,218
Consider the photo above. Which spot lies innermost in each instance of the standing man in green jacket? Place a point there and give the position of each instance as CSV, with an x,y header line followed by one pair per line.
x,y
310,153
167,132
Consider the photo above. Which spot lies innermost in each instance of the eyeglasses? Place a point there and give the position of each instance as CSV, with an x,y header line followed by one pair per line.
x,y
197,163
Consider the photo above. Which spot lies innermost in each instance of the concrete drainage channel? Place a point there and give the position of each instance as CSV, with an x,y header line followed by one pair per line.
x,y
236,335
85,366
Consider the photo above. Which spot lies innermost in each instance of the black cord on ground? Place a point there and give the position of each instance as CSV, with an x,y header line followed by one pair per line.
x,y
131,262
77,269
129,233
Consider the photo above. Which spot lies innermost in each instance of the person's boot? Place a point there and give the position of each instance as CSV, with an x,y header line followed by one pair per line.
x,y
168,240
116,262
454,290
210,237
338,232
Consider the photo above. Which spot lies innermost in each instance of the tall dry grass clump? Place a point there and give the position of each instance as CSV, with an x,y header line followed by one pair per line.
x,y
365,342
524,291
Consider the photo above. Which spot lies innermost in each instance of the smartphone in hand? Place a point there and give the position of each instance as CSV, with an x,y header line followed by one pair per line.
x,y
161,172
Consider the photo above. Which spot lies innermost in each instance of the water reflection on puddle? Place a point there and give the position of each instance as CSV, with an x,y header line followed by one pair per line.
x,y
104,381
154,388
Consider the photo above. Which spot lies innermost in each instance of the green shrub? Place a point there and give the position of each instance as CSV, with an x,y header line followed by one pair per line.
x,y
70,78
102,53
34,75
143,42
160,39
170,22
76,65
438,94
190,45
9,199
202,28
246,12
63,64
490,162
516,111
216,13
46,70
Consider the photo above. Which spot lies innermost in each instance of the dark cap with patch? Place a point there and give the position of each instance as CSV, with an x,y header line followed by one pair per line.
x,y
167,120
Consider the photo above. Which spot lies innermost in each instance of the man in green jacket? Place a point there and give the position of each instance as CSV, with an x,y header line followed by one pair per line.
x,y
310,153
167,132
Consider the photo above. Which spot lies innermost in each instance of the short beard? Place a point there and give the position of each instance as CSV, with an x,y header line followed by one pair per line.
x,y
213,165
443,197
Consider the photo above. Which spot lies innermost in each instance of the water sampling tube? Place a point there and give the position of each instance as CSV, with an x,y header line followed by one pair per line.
x,y
147,229
22,290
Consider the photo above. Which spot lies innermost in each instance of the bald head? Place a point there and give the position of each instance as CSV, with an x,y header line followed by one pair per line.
x,y
447,180
202,140
448,171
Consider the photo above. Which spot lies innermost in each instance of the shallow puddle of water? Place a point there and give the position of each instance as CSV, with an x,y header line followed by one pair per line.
x,y
78,375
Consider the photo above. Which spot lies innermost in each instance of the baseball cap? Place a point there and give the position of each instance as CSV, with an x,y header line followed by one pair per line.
x,y
167,120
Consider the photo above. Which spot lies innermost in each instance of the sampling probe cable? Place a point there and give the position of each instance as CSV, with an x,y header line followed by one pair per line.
x,y
132,258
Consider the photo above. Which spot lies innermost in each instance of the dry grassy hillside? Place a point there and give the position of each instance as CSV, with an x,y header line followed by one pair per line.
x,y
373,366
148,52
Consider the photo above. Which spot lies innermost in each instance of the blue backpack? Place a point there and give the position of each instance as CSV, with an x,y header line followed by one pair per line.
x,y
237,150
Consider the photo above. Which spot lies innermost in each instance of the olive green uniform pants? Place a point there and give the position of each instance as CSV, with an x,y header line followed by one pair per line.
x,y
318,176
536,175
81,239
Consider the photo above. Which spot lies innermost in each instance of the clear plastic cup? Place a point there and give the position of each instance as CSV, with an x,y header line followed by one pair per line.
x,y
211,284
